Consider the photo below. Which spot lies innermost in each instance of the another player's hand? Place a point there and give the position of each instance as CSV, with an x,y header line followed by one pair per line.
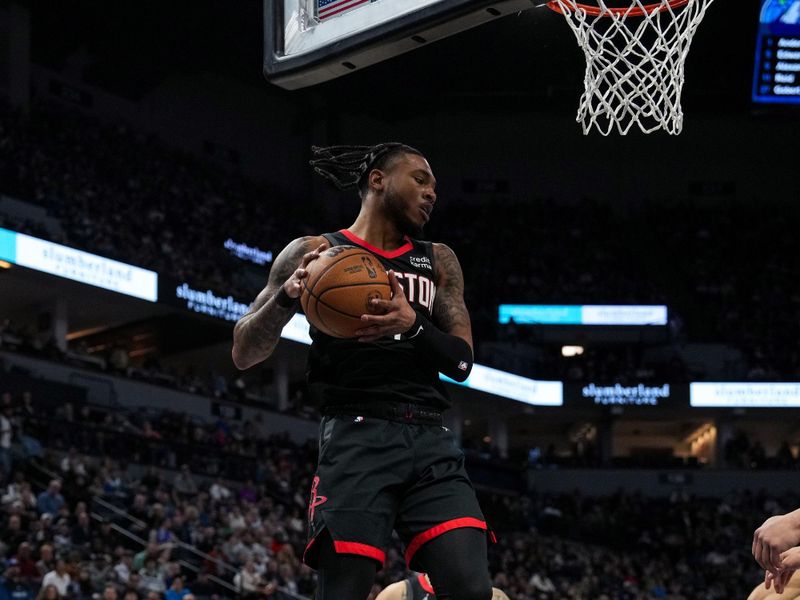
x,y
294,285
398,318
775,536
779,579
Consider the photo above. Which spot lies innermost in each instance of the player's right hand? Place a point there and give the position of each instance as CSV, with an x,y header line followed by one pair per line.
x,y
294,285
775,536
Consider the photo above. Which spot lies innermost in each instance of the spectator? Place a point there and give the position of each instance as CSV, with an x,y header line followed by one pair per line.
x,y
50,501
184,484
110,592
100,571
46,562
247,581
152,577
12,534
58,577
124,567
176,590
82,588
12,586
6,432
82,531
49,592
73,463
26,563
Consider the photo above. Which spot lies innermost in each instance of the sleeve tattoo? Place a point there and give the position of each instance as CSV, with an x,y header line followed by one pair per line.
x,y
257,332
449,310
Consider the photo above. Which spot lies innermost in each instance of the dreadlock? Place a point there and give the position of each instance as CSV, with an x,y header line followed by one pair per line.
x,y
347,167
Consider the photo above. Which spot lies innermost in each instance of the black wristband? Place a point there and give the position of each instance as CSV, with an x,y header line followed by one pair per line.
x,y
415,329
284,300
450,354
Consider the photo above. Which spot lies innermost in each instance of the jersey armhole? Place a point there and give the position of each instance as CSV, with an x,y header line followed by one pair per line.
x,y
432,255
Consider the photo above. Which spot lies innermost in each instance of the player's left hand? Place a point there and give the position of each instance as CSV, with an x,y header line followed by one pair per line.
x,y
399,317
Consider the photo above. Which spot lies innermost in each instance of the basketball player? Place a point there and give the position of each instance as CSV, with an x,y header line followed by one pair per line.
x,y
789,591
418,587
775,548
385,460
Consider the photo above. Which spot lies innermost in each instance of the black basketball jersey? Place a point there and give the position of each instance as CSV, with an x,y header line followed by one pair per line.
x,y
418,588
343,371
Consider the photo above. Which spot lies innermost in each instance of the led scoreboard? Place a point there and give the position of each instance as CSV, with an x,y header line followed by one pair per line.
x,y
777,65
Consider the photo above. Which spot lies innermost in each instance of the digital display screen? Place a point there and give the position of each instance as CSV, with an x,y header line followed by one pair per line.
x,y
77,265
744,395
609,315
777,64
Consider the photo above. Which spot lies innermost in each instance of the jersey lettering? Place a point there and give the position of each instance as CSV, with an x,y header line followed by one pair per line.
x,y
417,288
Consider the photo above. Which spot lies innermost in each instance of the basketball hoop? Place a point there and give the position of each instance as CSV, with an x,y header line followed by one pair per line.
x,y
635,59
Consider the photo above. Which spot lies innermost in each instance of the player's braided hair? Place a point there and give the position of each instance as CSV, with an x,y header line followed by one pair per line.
x,y
346,167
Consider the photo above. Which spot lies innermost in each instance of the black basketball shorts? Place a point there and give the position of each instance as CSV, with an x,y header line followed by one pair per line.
x,y
376,475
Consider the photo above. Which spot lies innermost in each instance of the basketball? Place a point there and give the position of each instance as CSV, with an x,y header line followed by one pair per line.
x,y
339,287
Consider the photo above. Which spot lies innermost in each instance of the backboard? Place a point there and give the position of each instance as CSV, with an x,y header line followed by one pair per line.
x,y
310,41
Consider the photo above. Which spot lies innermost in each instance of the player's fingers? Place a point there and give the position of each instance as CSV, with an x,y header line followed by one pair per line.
x,y
774,558
373,320
314,254
786,577
767,579
381,303
397,289
760,557
307,258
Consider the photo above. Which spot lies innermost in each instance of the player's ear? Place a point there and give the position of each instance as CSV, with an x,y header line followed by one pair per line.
x,y
376,180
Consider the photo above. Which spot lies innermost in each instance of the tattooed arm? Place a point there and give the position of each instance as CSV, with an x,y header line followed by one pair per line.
x,y
449,311
257,333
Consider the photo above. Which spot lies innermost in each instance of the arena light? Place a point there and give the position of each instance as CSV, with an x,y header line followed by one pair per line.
x,y
571,351
5,264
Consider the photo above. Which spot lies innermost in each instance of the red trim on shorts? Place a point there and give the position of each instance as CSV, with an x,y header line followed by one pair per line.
x,y
436,531
384,253
360,549
423,581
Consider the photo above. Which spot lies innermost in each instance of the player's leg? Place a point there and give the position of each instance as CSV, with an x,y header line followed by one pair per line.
x,y
457,565
441,521
342,576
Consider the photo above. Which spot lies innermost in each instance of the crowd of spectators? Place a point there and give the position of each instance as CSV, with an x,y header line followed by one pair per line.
x,y
726,274
189,531
255,388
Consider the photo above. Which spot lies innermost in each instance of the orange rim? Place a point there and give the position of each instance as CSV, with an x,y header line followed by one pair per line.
x,y
596,11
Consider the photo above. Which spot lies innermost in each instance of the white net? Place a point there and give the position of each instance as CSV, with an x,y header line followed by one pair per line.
x,y
634,62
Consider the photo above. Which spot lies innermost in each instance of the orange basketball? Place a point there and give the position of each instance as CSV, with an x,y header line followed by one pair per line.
x,y
339,287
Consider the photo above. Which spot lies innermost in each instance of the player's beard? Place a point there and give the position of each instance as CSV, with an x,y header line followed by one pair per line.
x,y
395,209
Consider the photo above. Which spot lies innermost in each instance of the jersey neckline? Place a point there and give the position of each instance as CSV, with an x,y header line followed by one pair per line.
x,y
407,247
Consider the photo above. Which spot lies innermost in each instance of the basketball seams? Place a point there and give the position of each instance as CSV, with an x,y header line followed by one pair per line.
x,y
320,311
335,262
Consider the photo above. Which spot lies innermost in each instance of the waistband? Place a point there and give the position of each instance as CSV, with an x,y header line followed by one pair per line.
x,y
401,412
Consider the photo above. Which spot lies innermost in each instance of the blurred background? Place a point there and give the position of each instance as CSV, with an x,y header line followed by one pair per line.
x,y
148,177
